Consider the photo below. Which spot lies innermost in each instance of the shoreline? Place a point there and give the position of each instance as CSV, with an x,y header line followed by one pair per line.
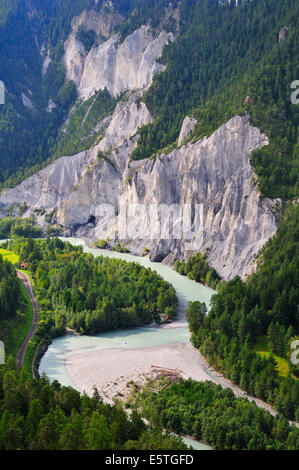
x,y
115,372
41,351
205,370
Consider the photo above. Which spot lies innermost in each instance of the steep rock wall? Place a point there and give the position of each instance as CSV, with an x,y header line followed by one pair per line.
x,y
214,172
119,67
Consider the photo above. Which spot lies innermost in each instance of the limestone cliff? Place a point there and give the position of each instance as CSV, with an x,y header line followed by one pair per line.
x,y
214,172
119,67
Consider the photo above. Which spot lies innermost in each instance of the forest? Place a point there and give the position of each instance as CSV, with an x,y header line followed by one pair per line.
x,y
215,416
15,309
226,60
27,134
248,332
11,296
37,415
30,137
19,227
91,295
198,269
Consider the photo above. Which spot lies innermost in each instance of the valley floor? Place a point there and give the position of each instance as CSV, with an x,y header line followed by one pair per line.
x,y
115,371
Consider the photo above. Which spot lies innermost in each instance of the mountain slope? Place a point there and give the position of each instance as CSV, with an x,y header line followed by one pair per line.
x,y
118,79
225,60
114,107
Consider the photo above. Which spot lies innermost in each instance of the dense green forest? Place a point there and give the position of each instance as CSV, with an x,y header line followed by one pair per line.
x,y
91,295
249,329
214,415
16,226
37,415
30,136
198,269
28,133
78,133
226,60
7,6
11,296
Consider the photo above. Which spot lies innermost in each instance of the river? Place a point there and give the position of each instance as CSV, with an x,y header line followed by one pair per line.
x,y
110,360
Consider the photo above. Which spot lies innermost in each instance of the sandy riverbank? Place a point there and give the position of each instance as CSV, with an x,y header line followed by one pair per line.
x,y
111,371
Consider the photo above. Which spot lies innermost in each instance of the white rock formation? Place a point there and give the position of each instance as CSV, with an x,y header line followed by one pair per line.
x,y
130,65
188,126
46,59
48,188
74,59
214,172
101,22
51,106
27,102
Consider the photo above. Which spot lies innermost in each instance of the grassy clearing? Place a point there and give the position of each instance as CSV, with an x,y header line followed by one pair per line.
x,y
9,256
262,348
283,367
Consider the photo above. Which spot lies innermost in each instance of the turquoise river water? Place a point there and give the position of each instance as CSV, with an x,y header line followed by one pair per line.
x,y
53,362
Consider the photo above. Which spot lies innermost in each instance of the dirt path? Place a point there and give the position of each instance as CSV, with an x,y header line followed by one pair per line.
x,y
27,284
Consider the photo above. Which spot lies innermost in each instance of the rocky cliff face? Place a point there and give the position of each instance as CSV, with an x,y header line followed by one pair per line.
x,y
90,194
119,67
214,172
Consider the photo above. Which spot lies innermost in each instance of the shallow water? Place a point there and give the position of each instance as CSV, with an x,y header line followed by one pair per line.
x,y
196,445
187,290
53,362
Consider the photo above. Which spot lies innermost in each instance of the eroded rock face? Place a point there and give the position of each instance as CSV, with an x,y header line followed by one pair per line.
x,y
188,127
102,23
117,67
104,181
49,187
214,172
74,59
212,176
